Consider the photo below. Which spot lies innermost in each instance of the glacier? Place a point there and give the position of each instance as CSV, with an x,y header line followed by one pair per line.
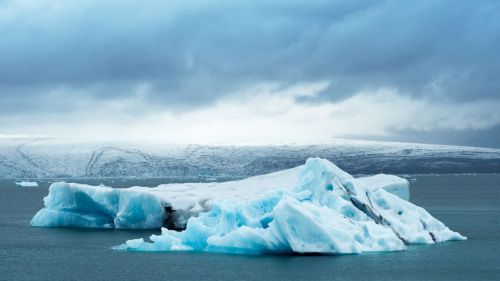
x,y
65,158
313,208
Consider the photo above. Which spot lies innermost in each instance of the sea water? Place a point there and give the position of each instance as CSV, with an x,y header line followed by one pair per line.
x,y
469,204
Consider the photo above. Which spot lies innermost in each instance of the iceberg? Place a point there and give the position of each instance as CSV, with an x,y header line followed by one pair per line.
x,y
80,205
27,184
313,208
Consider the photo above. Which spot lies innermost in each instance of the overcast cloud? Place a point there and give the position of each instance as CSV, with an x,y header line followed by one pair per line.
x,y
251,71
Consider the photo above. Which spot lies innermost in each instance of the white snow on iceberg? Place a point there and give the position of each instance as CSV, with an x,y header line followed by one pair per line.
x,y
314,208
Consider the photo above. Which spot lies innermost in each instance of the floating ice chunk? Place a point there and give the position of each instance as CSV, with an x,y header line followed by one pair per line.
x,y
88,206
27,184
327,212
314,208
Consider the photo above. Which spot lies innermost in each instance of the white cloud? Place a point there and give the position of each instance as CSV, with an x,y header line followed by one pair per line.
x,y
270,113
265,113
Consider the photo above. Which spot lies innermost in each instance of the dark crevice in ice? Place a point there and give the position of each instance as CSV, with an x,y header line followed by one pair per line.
x,y
432,235
370,212
170,221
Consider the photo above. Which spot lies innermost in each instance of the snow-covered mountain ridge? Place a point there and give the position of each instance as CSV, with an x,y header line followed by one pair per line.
x,y
69,158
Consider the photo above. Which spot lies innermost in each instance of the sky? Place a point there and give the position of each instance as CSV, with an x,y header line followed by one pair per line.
x,y
252,71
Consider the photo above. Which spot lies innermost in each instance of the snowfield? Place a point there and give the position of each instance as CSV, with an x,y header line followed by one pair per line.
x,y
24,158
313,208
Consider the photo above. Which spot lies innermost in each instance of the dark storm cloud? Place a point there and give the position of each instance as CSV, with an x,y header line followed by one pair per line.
x,y
171,45
54,54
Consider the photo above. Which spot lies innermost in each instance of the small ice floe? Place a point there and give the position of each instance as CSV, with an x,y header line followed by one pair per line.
x,y
27,184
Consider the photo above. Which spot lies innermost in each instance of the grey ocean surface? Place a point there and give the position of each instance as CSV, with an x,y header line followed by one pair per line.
x,y
469,204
